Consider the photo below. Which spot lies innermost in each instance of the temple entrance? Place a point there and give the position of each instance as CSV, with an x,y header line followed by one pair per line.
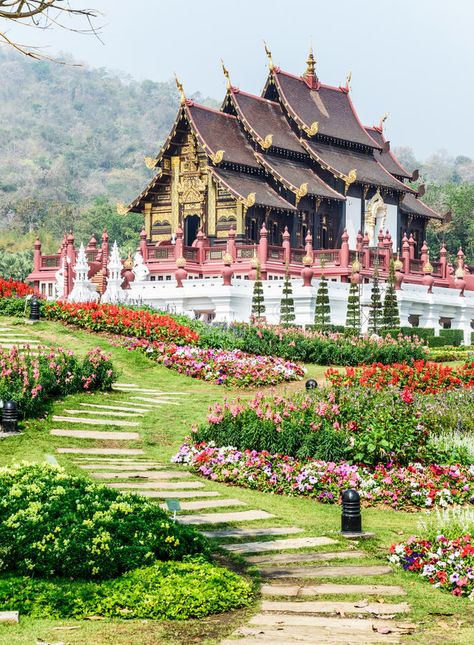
x,y
191,227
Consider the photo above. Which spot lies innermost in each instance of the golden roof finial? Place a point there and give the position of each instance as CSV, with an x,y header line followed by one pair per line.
x,y
226,74
382,120
269,56
310,64
182,98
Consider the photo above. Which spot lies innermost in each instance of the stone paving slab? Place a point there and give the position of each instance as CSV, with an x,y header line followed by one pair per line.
x,y
252,532
324,635
330,589
101,451
170,494
325,572
277,545
202,505
152,390
337,606
122,408
297,620
152,474
9,617
107,413
117,467
221,518
4,340
156,485
155,401
96,434
97,422
298,558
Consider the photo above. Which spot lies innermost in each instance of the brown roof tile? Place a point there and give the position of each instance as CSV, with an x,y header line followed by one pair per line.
x,y
414,206
331,107
295,174
242,185
387,159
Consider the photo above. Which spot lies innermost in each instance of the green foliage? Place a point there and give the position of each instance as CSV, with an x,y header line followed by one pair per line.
x,y
102,214
258,301
163,591
448,353
459,231
287,305
13,307
353,310
322,313
54,524
17,265
375,308
391,315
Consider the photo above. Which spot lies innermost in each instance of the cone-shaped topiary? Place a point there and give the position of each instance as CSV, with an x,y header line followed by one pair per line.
x,y
353,309
258,302
391,314
375,307
287,305
322,313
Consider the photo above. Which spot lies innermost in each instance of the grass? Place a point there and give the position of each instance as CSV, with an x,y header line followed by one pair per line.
x,y
440,617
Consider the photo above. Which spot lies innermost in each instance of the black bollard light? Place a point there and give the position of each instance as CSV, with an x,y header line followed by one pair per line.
x,y
10,417
34,309
351,517
311,384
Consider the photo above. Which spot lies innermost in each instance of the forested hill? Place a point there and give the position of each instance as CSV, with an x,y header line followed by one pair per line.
x,y
69,134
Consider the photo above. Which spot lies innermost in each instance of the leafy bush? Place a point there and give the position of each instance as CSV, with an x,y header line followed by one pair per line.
x,y
12,306
54,524
32,380
165,590
452,336
448,353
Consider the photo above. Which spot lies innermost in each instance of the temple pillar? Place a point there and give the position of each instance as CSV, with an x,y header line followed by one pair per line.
x,y
366,250
174,193
200,244
406,255
241,212
263,249
37,255
344,255
286,246
443,261
179,246
147,219
359,239
211,207
143,245
411,246
230,245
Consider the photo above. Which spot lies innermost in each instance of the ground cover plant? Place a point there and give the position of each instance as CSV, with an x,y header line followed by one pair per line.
x,y
221,367
33,379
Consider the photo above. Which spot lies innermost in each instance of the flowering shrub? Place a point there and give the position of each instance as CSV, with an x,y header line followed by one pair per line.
x,y
54,524
422,376
445,563
33,379
364,426
9,288
220,367
410,487
124,321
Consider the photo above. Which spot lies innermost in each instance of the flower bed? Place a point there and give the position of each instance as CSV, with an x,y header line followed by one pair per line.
x,y
12,288
422,376
33,379
445,563
123,321
407,488
234,368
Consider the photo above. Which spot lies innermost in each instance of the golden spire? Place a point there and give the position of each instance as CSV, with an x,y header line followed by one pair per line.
x,y
226,74
310,64
182,98
269,56
382,120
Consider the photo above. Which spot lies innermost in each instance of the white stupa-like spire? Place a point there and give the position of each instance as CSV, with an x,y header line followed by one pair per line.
x,y
114,292
83,289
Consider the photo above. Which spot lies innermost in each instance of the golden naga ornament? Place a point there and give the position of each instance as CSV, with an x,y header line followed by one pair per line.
x,y
121,208
302,191
182,98
218,156
250,200
382,120
226,74
267,142
150,162
312,130
271,66
349,179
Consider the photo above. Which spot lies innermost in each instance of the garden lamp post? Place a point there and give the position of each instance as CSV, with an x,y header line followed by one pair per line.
x,y
351,521
34,309
311,384
10,417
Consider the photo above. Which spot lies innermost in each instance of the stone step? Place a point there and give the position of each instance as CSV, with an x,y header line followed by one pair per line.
x,y
15,340
97,422
323,635
100,451
9,617
108,413
121,408
152,474
130,461
252,532
216,503
298,558
148,390
154,401
118,467
293,591
326,572
155,485
277,545
221,518
296,620
176,494
335,607
96,434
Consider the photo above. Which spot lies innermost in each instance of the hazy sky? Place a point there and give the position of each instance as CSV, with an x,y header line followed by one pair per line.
x,y
411,58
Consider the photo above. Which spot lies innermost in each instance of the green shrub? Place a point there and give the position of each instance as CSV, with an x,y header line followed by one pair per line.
x,y
14,307
423,333
54,524
452,336
449,353
165,590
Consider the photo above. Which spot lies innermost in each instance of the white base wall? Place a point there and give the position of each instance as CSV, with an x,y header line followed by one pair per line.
x,y
209,297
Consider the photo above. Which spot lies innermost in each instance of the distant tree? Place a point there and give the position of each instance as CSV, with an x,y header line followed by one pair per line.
x,y
124,229
457,229
16,265
258,301
322,313
406,157
353,309
287,304
391,314
375,307
42,14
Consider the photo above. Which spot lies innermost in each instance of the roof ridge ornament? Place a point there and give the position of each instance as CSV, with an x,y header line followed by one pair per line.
x,y
271,65
348,80
349,179
182,98
218,157
266,142
150,162
310,64
121,208
250,200
382,121
312,130
226,74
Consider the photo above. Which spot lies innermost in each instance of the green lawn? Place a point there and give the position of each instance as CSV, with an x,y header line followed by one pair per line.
x,y
441,618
